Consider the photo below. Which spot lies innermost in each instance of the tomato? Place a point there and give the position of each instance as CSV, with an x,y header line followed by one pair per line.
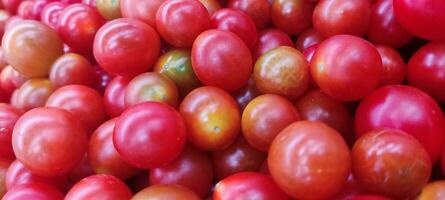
x,y
211,5
433,191
6,83
292,17
393,107
349,190
269,39
236,22
102,78
38,191
238,157
179,22
51,13
246,185
334,17
244,95
70,69
264,117
156,192
39,132
384,28
23,43
126,47
149,135
84,102
102,154
4,164
109,9
346,67
368,197
99,186
17,79
33,93
413,18
258,10
390,162
11,5
282,71
8,117
425,69
3,62
234,64
192,169
81,170
114,96
144,10
308,38
394,68
32,9
309,160
212,118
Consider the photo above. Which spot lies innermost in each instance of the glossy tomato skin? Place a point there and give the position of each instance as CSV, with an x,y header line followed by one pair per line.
x,y
244,95
425,69
99,186
291,16
244,185
150,134
346,67
4,164
282,71
141,9
11,5
179,22
384,28
231,70
236,22
212,118
8,117
70,69
39,131
33,191
51,13
33,93
390,162
211,5
31,47
308,38
82,170
114,96
387,107
303,171
192,169
433,191
334,17
264,117
6,76
269,39
258,10
412,16
109,9
394,69
126,47
162,191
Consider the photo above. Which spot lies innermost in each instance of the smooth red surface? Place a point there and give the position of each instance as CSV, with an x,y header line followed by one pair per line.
x,y
114,96
394,68
33,94
269,39
308,38
99,187
51,13
258,10
70,69
33,191
144,10
292,16
167,192
8,117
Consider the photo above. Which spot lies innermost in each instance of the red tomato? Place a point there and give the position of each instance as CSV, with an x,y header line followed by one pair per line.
x,y
390,162
109,9
49,141
11,5
244,95
167,192
258,10
149,135
368,197
433,191
51,13
81,171
6,79
144,10
70,69
292,17
33,93
38,191
211,5
179,22
269,39
212,118
308,38
394,68
246,185
233,65
346,67
114,96
126,47
4,164
334,17
309,160
99,187
8,116
413,17
393,107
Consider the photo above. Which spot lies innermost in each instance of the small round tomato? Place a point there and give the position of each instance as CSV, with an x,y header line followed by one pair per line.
x,y
393,107
282,71
236,22
179,22
8,117
292,16
390,162
114,96
346,67
33,93
244,95
433,191
31,47
99,186
157,192
33,191
394,68
51,13
149,135
70,69
11,5
212,118
101,79
258,10
142,10
82,170
126,47
233,65
192,169
334,17
269,39
109,9
309,160
32,9
11,79
4,164
49,141
264,117
246,185
102,155
308,38
211,5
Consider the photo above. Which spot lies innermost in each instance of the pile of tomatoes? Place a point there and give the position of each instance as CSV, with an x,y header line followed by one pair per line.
x,y
222,99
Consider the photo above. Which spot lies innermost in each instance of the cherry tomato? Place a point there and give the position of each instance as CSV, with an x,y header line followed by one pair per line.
x,y
292,17
3,62
126,47
102,78
264,117
244,95
346,67
70,69
390,162
51,13
144,10
99,186
109,9
33,93
282,71
394,68
212,118
4,164
309,160
149,135
32,9
38,191
82,170
258,10
114,96
246,185
8,117
211,5
269,39
179,22
6,79
11,5
167,192
234,64
433,191
308,38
